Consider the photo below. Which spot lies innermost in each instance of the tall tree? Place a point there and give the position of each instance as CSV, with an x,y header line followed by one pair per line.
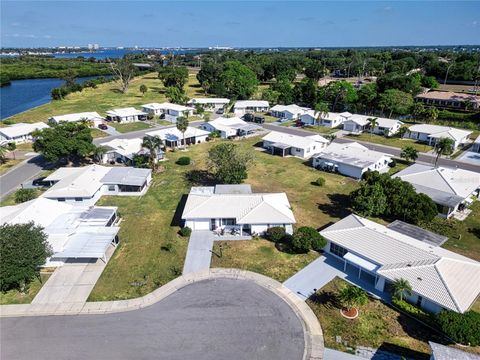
x,y
143,89
352,297
431,113
400,288
396,101
98,153
124,71
409,153
176,95
176,76
228,163
152,144
444,146
372,123
182,126
321,110
12,146
235,81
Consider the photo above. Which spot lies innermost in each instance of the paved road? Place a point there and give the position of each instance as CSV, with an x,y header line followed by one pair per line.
x,y
199,252
209,320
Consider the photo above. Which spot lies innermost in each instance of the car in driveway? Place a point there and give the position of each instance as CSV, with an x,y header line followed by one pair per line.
x,y
102,126
254,118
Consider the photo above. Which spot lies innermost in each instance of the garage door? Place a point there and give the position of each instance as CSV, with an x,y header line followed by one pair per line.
x,y
202,225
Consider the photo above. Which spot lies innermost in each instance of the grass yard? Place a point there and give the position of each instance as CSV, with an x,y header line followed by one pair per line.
x,y
129,127
391,141
322,130
8,164
96,133
17,297
28,146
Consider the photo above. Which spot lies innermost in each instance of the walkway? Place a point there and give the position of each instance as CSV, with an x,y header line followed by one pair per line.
x,y
199,251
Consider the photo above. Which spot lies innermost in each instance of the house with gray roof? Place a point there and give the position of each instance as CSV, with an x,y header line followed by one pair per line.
x,y
431,134
442,352
379,255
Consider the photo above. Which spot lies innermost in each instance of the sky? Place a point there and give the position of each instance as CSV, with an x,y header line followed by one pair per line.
x,y
239,24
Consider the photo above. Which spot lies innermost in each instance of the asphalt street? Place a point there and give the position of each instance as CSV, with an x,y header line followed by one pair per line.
x,y
208,320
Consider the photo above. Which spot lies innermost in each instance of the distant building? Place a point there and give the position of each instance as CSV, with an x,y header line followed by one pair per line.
x,y
231,127
288,112
169,110
173,138
91,117
126,115
250,106
20,132
431,134
209,104
449,99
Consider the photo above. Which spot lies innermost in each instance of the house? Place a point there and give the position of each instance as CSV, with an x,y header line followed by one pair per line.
x,y
300,146
209,104
351,159
250,106
20,132
356,124
170,111
231,127
124,150
73,232
387,127
288,112
330,119
476,145
85,185
452,189
236,207
173,138
378,255
449,99
93,118
431,134
126,115
443,352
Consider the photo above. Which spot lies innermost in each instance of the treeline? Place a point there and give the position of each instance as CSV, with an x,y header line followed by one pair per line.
x,y
71,86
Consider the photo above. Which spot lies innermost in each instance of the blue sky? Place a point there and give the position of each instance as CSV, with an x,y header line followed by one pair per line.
x,y
239,24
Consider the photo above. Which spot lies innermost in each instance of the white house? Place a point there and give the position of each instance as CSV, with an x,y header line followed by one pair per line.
x,y
476,145
452,189
72,231
20,132
330,119
171,111
235,207
172,137
443,352
431,134
288,112
250,106
387,127
126,115
230,127
91,117
351,159
356,124
300,146
378,255
85,185
123,150
209,104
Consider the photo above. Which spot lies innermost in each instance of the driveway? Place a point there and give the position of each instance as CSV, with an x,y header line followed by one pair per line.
x,y
199,251
214,319
470,157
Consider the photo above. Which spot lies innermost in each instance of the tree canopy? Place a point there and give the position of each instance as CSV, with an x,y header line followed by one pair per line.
x,y
176,76
228,163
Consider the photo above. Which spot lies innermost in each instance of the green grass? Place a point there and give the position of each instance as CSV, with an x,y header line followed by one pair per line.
x,y
391,141
321,129
8,164
96,133
128,127
17,297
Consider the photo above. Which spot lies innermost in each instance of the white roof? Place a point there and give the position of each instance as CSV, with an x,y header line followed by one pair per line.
x,y
231,124
301,142
21,129
125,147
167,106
209,101
129,111
437,131
353,154
387,123
173,134
361,120
241,104
88,242
245,208
447,186
435,273
76,117
292,109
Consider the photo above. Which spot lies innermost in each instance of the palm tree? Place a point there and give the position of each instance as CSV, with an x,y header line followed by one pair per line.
x,y
352,297
12,146
143,89
98,152
418,110
444,146
152,144
321,110
400,288
3,152
372,123
409,153
182,125
402,131
431,113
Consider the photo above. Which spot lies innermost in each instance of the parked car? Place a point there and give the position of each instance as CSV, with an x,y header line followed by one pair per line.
x,y
259,119
220,111
248,117
102,126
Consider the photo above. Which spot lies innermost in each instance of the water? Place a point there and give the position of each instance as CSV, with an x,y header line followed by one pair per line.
x,y
23,95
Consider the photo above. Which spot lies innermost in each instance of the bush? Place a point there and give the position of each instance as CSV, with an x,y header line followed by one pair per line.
x,y
185,231
306,238
413,310
275,234
184,160
393,163
23,195
320,181
463,328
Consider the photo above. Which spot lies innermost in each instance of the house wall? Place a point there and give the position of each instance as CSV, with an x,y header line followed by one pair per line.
x,y
344,169
17,139
308,119
352,127
261,228
388,131
152,111
423,137
80,201
476,147
198,224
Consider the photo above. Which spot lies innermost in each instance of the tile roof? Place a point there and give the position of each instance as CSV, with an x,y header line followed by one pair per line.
x,y
353,154
302,142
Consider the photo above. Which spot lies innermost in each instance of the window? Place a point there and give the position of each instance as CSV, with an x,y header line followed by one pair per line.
x,y
111,187
337,250
61,199
228,222
78,199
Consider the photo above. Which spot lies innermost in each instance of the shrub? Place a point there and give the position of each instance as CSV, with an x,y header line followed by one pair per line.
x,y
275,234
184,160
320,181
393,163
463,328
306,238
413,310
23,195
185,231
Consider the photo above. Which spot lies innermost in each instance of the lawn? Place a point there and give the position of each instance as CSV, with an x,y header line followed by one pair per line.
x,y
391,141
8,164
96,133
321,129
17,297
128,127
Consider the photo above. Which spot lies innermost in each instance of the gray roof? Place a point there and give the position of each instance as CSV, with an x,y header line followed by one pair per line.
x,y
417,233
126,176
98,214
233,189
438,196
442,352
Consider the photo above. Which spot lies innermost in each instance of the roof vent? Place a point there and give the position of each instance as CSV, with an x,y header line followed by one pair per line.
x,y
419,278
409,265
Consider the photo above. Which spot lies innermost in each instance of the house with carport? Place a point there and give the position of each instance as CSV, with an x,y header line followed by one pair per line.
x,y
379,255
169,110
20,133
283,144
126,115
236,208
91,117
431,134
288,112
173,138
242,107
330,119
231,127
356,124
209,104
387,127
124,150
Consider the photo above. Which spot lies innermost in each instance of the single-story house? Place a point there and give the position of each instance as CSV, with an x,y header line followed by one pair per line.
x,y
242,107
72,231
126,115
452,189
231,127
288,112
431,134
330,120
449,99
387,127
123,151
476,145
85,185
351,159
300,146
91,117
173,138
20,132
171,111
209,104
356,124
378,255
443,352
236,207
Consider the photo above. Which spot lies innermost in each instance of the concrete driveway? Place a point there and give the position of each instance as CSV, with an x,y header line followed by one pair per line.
x,y
199,251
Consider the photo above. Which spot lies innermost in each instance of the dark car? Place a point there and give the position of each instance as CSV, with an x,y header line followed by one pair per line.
x,y
220,111
40,182
103,126
248,117
259,119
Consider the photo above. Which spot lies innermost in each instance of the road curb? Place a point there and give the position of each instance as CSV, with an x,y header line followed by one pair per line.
x,y
313,335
